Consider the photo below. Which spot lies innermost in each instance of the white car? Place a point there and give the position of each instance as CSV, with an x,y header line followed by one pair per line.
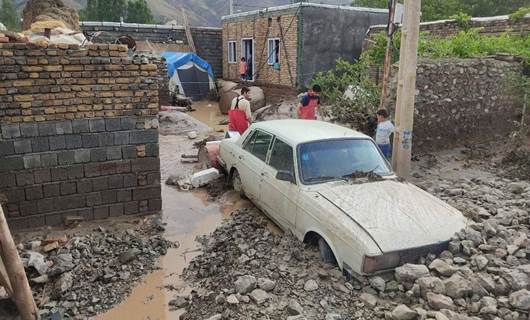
x,y
332,186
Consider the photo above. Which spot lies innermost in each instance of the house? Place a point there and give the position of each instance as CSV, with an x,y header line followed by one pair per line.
x,y
286,45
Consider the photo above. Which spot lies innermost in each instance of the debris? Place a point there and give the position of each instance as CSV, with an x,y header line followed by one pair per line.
x,y
245,284
259,296
192,135
50,246
311,285
402,312
202,178
129,255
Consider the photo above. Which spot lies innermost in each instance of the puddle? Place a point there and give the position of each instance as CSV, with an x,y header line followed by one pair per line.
x,y
208,113
187,215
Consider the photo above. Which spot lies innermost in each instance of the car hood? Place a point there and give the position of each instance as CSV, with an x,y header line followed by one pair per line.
x,y
397,215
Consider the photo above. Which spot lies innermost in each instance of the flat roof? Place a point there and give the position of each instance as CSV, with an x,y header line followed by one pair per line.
x,y
303,4
295,131
140,25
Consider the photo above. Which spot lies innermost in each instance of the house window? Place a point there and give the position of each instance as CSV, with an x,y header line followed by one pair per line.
x,y
231,52
274,51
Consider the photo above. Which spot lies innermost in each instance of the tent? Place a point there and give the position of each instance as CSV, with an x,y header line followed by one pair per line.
x,y
189,74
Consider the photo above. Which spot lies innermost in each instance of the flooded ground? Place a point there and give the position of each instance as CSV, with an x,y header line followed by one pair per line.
x,y
208,113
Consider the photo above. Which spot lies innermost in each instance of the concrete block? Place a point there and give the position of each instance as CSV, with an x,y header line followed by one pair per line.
x,y
96,125
34,193
115,181
130,180
101,212
29,130
114,153
152,150
153,178
32,161
113,124
25,178
82,156
204,177
90,141
145,164
86,213
10,130
68,188
69,202
124,195
93,199
108,196
7,180
80,126
15,195
143,136
22,146
40,144
75,172
84,186
123,166
98,154
92,170
59,174
121,138
42,175
146,193
45,205
57,142
51,190
66,157
73,141
129,152
54,219
130,207
11,164
48,159
116,210
28,208
7,148
100,184
155,205
64,127
47,129
128,123
105,139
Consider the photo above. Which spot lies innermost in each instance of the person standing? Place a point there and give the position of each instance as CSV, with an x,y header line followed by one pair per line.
x,y
240,114
243,69
309,103
384,129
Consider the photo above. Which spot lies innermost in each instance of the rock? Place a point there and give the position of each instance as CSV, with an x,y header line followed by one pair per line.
x,y
192,135
430,284
245,284
40,280
517,187
442,267
454,247
480,261
488,305
259,296
179,302
298,317
220,299
50,246
439,301
225,101
129,255
378,284
36,260
368,299
294,308
333,316
216,317
232,299
64,283
266,284
457,287
402,312
49,10
411,272
2,27
520,299
311,285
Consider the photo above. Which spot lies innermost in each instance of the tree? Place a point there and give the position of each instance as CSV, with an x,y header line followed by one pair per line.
x,y
138,12
9,16
104,10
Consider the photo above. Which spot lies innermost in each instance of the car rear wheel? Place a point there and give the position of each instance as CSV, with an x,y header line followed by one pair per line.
x,y
326,255
236,182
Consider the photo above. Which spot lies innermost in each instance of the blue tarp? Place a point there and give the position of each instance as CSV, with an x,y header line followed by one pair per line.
x,y
176,59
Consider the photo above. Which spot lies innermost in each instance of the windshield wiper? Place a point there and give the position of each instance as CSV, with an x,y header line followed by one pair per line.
x,y
313,179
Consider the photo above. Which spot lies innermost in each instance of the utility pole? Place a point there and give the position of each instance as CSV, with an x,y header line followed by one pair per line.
x,y
402,152
231,5
387,66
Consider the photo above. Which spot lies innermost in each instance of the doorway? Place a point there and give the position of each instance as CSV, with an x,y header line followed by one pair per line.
x,y
247,52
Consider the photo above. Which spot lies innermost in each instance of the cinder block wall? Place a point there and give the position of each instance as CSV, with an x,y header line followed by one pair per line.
x,y
78,133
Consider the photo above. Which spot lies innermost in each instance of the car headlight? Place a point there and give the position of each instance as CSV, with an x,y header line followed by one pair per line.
x,y
382,262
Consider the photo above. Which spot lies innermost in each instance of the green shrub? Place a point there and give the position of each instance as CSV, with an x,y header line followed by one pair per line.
x,y
519,14
463,20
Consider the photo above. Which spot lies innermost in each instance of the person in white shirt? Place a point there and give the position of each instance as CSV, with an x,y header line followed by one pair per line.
x,y
384,129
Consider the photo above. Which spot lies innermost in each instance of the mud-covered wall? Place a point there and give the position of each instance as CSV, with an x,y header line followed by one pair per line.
x,y
78,133
328,34
461,101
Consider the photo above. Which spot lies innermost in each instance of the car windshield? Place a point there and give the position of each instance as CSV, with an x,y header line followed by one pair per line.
x,y
322,161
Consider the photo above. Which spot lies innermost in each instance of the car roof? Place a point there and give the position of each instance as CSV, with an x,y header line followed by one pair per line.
x,y
295,131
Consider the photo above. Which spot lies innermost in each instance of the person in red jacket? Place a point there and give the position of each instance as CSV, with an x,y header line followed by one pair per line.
x,y
309,103
240,116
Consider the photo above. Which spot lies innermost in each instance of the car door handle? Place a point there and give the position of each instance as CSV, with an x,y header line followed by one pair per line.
x,y
240,157
264,174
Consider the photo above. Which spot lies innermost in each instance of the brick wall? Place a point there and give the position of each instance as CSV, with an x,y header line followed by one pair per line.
x,y
78,133
261,28
161,38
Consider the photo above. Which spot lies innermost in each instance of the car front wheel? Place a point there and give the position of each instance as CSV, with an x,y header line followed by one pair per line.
x,y
236,182
326,255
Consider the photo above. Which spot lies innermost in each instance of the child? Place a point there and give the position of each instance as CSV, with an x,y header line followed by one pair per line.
x,y
384,129
243,68
309,103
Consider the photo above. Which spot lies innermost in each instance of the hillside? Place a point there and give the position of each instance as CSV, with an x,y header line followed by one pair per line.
x,y
201,12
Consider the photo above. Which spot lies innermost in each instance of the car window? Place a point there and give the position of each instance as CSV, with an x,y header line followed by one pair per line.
x,y
282,156
247,144
259,144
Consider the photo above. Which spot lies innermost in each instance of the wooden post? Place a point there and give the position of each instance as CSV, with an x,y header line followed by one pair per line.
x,y
4,279
187,28
15,271
387,66
401,157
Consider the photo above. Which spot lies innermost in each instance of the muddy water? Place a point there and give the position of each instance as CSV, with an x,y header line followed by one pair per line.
x,y
208,112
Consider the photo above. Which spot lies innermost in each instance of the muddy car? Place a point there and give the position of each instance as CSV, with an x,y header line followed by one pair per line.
x,y
331,186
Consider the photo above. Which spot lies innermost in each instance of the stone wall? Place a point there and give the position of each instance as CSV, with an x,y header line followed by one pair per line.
x,y
78,133
461,101
159,38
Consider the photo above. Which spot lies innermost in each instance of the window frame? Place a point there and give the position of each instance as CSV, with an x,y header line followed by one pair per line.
x,y
269,51
253,136
232,43
293,155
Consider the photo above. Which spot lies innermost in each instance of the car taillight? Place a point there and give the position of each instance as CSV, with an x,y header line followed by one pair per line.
x,y
382,262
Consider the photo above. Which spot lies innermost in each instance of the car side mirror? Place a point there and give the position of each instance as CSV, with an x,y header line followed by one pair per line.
x,y
285,176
